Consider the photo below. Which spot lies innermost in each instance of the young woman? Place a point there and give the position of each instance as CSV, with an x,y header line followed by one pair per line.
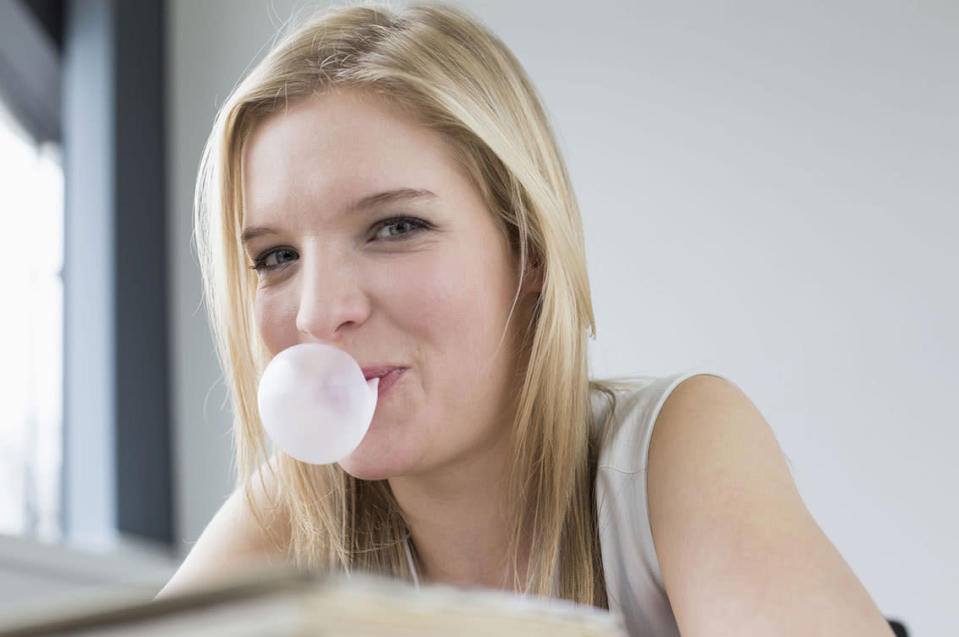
x,y
386,181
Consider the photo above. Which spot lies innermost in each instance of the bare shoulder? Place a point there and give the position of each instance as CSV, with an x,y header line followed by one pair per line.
x,y
711,426
738,549
234,539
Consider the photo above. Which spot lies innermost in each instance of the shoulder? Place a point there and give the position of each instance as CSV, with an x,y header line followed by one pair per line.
x,y
626,412
714,470
707,411
246,531
737,548
709,434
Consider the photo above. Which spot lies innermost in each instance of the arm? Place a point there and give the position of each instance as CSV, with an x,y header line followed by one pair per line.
x,y
232,541
739,552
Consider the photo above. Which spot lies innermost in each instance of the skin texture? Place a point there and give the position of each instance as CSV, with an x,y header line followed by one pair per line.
x,y
739,552
433,300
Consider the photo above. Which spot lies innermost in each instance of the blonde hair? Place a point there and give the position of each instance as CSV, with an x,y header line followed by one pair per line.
x,y
441,66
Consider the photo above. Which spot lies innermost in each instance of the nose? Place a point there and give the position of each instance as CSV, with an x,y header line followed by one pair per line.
x,y
332,299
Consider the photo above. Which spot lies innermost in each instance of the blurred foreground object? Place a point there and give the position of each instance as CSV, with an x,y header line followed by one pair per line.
x,y
286,601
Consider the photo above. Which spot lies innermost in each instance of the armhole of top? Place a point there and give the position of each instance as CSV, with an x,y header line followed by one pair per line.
x,y
652,414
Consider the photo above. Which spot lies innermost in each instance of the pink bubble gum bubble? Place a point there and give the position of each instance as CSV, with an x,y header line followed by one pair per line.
x,y
315,404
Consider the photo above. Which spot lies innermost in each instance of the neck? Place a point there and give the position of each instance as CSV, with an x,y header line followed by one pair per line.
x,y
459,522
458,515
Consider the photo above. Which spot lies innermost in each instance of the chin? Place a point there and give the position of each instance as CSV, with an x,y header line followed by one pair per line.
x,y
364,473
385,452
365,466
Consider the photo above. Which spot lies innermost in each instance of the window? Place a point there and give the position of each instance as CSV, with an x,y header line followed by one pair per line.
x,y
31,333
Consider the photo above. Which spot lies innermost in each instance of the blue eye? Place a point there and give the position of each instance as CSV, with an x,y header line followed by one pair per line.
x,y
404,226
272,259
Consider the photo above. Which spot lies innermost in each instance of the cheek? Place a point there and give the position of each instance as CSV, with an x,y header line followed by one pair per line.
x,y
453,302
275,319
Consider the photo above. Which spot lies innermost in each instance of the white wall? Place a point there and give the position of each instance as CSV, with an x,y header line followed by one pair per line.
x,y
768,190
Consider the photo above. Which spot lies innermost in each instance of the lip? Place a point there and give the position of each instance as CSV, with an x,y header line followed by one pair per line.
x,y
388,381
388,375
378,371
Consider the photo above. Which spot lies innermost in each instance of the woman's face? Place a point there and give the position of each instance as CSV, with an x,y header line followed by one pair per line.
x,y
368,236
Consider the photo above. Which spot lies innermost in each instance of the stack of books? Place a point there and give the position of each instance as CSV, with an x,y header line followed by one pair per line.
x,y
281,601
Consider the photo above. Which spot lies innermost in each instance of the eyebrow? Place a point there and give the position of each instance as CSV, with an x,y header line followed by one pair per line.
x,y
366,203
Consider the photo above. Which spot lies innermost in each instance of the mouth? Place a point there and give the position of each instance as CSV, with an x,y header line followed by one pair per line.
x,y
388,376
379,371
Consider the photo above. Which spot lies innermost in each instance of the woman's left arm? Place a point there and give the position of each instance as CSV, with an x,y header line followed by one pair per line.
x,y
738,550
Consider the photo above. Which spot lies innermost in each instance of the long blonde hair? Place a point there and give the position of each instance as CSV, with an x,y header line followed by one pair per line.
x,y
444,68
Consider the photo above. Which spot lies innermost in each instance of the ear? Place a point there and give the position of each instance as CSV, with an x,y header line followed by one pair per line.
x,y
533,277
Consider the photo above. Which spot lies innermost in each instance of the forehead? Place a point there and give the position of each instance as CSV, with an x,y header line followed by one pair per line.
x,y
331,149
